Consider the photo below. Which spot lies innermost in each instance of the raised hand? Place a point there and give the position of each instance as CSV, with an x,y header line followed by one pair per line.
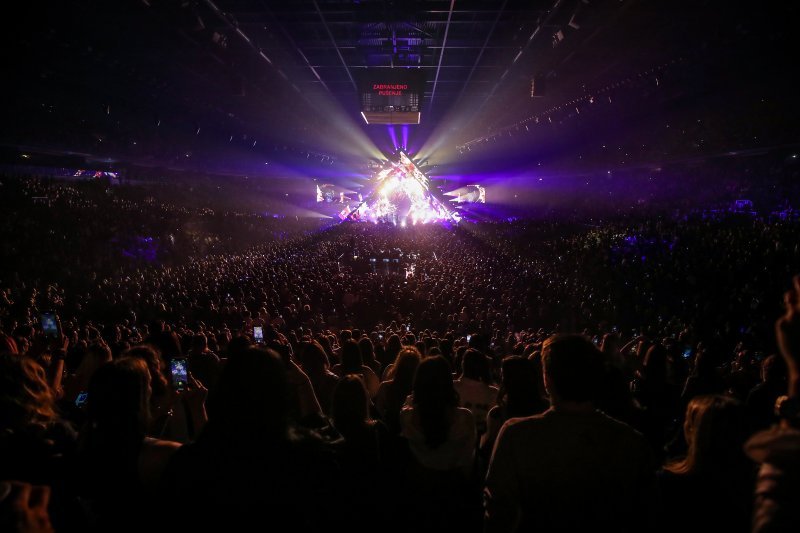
x,y
787,332
23,508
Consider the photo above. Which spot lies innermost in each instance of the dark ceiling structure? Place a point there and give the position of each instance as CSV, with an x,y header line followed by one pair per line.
x,y
166,82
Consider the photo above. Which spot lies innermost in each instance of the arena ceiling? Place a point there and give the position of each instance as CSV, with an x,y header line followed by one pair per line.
x,y
157,78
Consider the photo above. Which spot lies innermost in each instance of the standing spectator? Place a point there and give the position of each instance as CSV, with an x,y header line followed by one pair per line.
x,y
704,379
121,465
203,363
363,453
95,355
352,363
711,488
474,387
368,355
441,437
441,434
392,393
571,468
393,347
314,363
762,397
658,396
250,464
37,445
778,449
518,397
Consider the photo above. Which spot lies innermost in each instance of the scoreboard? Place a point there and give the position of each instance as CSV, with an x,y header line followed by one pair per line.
x,y
391,96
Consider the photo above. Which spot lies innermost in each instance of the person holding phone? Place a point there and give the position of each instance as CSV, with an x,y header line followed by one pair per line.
x,y
121,463
704,379
211,480
96,355
52,344
204,364
49,323
176,414
258,334
179,373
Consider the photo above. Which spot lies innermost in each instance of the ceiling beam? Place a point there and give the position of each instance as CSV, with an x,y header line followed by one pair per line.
x,y
297,48
541,25
444,45
335,46
483,48
488,67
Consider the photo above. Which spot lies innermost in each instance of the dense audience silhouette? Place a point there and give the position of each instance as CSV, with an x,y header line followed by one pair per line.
x,y
620,375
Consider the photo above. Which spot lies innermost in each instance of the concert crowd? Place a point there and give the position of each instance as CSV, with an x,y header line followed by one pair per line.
x,y
171,366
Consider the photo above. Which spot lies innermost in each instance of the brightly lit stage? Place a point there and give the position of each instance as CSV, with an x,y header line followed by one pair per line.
x,y
402,196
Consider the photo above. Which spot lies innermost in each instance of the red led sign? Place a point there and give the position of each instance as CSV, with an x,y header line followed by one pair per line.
x,y
390,89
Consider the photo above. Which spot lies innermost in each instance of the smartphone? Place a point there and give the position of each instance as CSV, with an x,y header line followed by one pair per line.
x,y
469,337
380,336
258,334
687,352
758,356
179,373
408,328
80,401
49,324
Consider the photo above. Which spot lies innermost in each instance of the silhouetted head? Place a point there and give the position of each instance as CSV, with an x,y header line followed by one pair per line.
x,y
251,396
571,366
350,406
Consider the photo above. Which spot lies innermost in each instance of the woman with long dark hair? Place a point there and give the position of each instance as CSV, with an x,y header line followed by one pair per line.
x,y
34,439
368,355
441,434
314,362
711,487
392,393
352,363
393,347
351,417
519,396
121,464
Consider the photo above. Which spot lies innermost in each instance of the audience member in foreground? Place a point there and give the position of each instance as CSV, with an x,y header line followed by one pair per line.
x,y
442,440
571,468
778,449
121,465
249,466
518,397
712,487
